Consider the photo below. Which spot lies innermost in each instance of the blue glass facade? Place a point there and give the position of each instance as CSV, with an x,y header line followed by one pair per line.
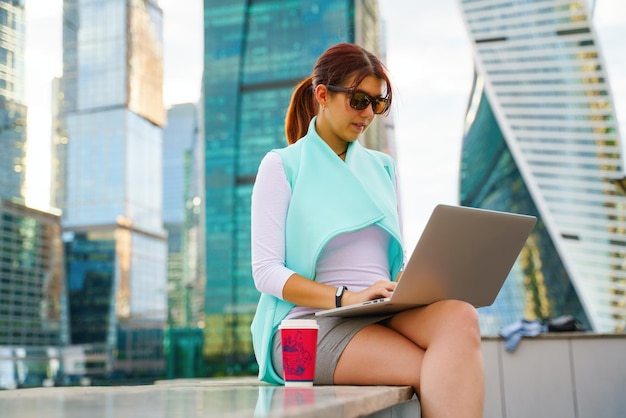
x,y
33,314
90,287
255,54
33,302
541,138
110,146
179,139
12,99
180,199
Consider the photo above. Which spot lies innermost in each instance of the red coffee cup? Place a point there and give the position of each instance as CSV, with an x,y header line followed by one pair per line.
x,y
299,344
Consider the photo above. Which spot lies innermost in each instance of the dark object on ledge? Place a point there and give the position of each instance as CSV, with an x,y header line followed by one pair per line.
x,y
564,323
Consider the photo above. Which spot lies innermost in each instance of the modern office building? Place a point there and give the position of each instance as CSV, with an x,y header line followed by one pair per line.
x,y
111,131
541,138
33,303
12,100
33,314
182,204
254,55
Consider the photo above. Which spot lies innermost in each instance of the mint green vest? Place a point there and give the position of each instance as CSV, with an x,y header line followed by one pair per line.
x,y
328,197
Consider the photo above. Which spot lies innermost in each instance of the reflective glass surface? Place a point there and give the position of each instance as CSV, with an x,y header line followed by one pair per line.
x,y
32,295
12,100
145,72
95,189
91,279
33,311
114,153
181,203
110,145
12,149
179,138
116,287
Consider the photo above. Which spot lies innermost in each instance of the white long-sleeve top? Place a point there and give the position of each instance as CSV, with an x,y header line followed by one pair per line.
x,y
354,259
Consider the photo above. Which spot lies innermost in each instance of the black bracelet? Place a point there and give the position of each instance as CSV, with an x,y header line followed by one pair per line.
x,y
339,295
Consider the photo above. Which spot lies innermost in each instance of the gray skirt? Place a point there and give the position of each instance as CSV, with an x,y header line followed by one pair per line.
x,y
333,336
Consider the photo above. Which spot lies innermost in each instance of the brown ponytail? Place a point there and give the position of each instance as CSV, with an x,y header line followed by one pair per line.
x,y
336,65
302,108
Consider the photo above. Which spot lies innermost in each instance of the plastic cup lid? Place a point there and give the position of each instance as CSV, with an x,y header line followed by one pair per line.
x,y
298,323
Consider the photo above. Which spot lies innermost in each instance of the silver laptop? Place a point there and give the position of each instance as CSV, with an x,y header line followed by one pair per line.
x,y
464,253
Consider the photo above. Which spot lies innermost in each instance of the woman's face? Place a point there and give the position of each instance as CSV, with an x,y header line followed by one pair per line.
x,y
337,121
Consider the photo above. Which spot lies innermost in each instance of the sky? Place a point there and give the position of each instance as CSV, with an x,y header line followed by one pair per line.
x,y
429,57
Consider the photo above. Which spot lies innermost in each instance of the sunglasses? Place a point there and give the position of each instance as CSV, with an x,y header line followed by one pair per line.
x,y
359,100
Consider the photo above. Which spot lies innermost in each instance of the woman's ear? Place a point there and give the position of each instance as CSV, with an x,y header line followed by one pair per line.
x,y
321,95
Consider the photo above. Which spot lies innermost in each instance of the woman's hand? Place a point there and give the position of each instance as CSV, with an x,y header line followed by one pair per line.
x,y
380,289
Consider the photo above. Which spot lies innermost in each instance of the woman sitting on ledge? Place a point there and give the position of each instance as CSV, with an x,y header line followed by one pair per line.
x,y
326,232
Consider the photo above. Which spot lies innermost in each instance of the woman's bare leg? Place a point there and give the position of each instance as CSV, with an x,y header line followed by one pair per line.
x,y
378,355
435,349
452,376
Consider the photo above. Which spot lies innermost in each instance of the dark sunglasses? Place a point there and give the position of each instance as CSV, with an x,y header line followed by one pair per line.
x,y
359,100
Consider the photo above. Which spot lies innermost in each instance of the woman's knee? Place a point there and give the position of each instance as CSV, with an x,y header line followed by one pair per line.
x,y
460,318
446,321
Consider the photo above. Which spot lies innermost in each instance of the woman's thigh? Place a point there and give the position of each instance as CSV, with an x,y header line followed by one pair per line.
x,y
392,352
378,355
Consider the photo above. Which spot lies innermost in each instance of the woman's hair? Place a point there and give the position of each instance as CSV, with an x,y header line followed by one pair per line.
x,y
335,66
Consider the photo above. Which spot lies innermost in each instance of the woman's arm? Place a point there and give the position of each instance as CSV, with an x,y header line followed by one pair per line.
x,y
271,195
304,292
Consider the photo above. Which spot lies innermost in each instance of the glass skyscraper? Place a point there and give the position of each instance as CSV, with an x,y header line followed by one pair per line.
x,y
33,310
109,140
33,302
181,209
255,52
182,212
541,138
12,100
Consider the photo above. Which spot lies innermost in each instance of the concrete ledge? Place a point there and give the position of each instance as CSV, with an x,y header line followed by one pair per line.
x,y
318,401
192,398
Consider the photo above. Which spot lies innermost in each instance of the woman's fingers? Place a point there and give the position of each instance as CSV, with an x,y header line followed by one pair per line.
x,y
382,288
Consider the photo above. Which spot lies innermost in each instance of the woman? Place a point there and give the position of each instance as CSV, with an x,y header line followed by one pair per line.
x,y
326,233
